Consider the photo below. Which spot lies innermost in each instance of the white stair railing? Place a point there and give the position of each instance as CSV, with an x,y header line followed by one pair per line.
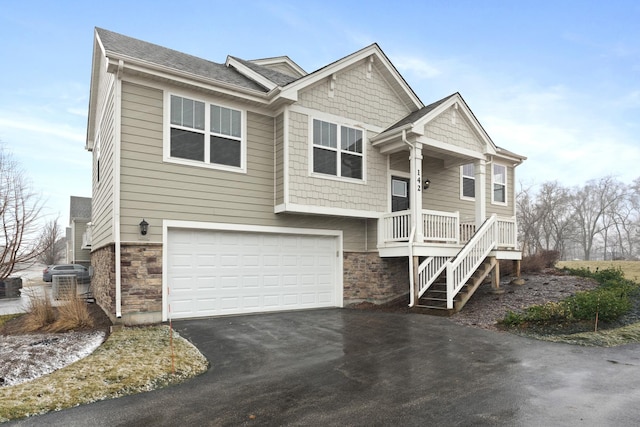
x,y
461,268
428,272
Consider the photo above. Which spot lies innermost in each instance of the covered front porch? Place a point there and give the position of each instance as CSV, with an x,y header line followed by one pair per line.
x,y
437,233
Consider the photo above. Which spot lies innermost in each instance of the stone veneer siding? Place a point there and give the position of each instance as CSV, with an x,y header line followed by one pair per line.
x,y
141,285
104,275
367,277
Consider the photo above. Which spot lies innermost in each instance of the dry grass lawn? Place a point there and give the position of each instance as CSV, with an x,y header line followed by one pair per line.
x,y
131,361
631,269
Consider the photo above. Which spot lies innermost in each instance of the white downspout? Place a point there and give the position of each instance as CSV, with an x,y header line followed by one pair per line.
x,y
116,187
412,283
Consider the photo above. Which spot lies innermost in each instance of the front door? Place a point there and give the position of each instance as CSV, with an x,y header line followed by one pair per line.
x,y
399,194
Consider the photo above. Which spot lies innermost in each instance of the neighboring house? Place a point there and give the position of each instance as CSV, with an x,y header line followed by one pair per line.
x,y
254,186
78,233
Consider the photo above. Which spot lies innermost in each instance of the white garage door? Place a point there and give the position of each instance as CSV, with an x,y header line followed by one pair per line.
x,y
221,272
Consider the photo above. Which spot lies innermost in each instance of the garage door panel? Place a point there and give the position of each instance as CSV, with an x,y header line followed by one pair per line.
x,y
218,272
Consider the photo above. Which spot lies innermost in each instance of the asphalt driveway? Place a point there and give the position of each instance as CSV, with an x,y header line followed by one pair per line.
x,y
347,367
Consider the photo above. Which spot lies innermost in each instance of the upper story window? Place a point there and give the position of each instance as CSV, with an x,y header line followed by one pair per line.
x,y
206,133
467,181
338,153
499,184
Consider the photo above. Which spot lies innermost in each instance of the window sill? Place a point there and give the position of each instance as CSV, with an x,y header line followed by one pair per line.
x,y
194,163
337,178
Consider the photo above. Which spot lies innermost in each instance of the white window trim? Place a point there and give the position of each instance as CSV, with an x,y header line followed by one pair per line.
x,y
338,149
207,133
462,176
506,182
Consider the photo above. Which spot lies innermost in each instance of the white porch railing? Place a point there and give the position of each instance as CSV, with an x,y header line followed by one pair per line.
x,y
507,233
428,272
441,226
394,227
462,267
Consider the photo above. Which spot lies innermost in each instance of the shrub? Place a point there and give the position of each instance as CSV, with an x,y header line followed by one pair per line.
x,y
512,319
607,303
40,313
73,314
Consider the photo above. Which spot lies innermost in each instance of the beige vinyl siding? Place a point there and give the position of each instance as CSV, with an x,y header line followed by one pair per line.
x,y
444,192
102,198
499,209
279,159
155,190
80,226
451,127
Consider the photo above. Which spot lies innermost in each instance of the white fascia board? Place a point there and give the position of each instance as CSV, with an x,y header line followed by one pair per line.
x,y
249,73
323,210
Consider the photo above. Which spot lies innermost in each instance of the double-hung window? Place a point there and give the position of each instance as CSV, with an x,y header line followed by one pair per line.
x,y
206,133
499,179
337,150
467,181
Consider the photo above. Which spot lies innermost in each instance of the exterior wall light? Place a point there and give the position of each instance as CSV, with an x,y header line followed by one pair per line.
x,y
426,183
144,227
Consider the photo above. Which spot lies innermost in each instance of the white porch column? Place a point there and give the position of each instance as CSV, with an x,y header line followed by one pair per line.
x,y
480,168
416,190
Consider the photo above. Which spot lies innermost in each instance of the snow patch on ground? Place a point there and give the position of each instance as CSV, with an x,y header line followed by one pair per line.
x,y
26,357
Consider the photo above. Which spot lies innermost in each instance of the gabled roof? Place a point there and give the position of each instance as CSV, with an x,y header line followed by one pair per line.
x,y
284,62
418,114
373,54
79,208
268,78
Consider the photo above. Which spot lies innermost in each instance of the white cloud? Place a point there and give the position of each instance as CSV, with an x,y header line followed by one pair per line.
x,y
416,66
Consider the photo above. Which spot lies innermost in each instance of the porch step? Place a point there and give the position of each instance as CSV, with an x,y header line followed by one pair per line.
x,y
434,301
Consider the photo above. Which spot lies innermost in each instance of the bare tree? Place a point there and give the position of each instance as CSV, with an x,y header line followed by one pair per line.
x,y
528,217
553,202
52,241
591,205
19,212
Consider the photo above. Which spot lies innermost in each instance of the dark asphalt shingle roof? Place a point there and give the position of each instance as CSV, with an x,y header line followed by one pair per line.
x,y
155,54
418,114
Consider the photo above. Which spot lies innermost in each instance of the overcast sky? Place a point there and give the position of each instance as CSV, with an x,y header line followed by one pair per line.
x,y
557,81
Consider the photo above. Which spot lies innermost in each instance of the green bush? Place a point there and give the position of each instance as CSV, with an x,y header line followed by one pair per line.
x,y
609,301
512,319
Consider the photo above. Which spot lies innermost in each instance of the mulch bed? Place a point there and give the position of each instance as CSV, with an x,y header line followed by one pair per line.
x,y
101,321
485,308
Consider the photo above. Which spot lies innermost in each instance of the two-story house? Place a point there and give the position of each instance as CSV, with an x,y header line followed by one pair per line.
x,y
254,186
